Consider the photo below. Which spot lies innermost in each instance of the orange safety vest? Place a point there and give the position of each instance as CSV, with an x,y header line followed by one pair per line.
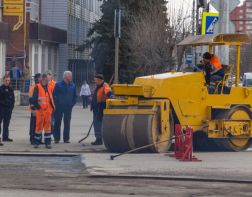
x,y
215,61
51,85
44,98
31,90
103,92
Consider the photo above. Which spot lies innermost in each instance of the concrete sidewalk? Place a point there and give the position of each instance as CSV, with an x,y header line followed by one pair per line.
x,y
19,132
222,166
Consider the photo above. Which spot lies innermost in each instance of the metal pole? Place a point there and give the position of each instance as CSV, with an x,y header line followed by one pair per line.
x,y
193,17
25,33
117,59
238,56
117,33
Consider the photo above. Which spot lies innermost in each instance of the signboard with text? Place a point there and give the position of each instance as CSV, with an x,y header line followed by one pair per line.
x,y
13,8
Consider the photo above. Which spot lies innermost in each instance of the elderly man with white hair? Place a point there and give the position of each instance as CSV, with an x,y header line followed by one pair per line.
x,y
64,96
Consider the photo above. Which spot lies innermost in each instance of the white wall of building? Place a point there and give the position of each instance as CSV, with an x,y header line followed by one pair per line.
x,y
43,57
2,58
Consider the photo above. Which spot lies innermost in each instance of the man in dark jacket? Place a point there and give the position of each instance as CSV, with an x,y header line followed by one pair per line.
x,y
7,101
101,94
64,96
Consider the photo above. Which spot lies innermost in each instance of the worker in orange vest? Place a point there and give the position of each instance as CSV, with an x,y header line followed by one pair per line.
x,y
101,94
44,105
51,82
37,79
51,86
212,67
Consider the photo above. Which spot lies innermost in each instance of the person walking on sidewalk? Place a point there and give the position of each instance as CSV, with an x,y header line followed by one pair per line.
x,y
43,104
37,80
85,93
65,98
7,102
101,94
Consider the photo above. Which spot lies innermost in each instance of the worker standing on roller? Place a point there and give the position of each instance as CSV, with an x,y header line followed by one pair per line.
x,y
37,79
101,94
43,104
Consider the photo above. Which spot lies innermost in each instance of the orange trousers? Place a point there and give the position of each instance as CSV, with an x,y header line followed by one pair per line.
x,y
43,121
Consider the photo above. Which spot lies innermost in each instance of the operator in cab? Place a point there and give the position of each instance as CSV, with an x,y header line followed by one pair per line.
x,y
212,67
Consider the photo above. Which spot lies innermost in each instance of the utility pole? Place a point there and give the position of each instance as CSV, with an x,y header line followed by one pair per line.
x,y
224,25
193,17
117,34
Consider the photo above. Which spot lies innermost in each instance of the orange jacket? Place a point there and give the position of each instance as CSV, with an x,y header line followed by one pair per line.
x,y
31,90
44,98
103,92
51,85
215,61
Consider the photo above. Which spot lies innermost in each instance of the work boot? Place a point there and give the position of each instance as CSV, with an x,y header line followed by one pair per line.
x,y
97,142
48,146
7,140
1,144
36,146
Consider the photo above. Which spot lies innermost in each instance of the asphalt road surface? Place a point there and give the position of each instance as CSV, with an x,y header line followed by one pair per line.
x,y
41,176
67,176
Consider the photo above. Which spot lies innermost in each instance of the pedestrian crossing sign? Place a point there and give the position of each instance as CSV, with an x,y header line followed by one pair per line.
x,y
208,21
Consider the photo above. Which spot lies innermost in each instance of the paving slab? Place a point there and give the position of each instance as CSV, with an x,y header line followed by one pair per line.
x,y
222,166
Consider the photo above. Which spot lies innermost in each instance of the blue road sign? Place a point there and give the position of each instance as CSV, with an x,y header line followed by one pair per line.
x,y
208,22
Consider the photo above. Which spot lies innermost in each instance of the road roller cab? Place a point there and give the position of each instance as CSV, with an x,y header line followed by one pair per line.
x,y
146,111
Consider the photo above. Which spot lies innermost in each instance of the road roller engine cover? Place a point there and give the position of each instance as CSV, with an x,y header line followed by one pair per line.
x,y
146,111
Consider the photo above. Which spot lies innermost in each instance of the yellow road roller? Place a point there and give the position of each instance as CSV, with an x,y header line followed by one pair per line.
x,y
146,111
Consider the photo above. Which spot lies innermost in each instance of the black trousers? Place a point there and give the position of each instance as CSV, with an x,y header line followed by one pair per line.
x,y
97,119
58,115
85,101
32,127
5,117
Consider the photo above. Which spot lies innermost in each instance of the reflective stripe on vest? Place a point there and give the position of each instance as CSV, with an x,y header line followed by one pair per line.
x,y
43,97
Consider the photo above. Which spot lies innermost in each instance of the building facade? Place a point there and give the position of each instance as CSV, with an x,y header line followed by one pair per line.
x,y
32,47
76,17
242,17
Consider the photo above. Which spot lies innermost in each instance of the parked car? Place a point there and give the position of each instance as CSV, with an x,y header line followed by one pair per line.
x,y
247,80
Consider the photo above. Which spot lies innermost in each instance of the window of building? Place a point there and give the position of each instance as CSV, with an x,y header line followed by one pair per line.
x,y
249,10
249,4
49,58
249,27
34,10
241,16
248,22
241,28
248,15
241,11
91,5
36,58
241,22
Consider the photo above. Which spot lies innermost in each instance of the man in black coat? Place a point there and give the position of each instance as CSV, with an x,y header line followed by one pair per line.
x,y
7,101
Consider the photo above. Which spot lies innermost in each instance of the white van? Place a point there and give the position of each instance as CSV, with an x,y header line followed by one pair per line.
x,y
247,80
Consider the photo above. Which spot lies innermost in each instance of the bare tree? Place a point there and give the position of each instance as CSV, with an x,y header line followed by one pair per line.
x,y
152,41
